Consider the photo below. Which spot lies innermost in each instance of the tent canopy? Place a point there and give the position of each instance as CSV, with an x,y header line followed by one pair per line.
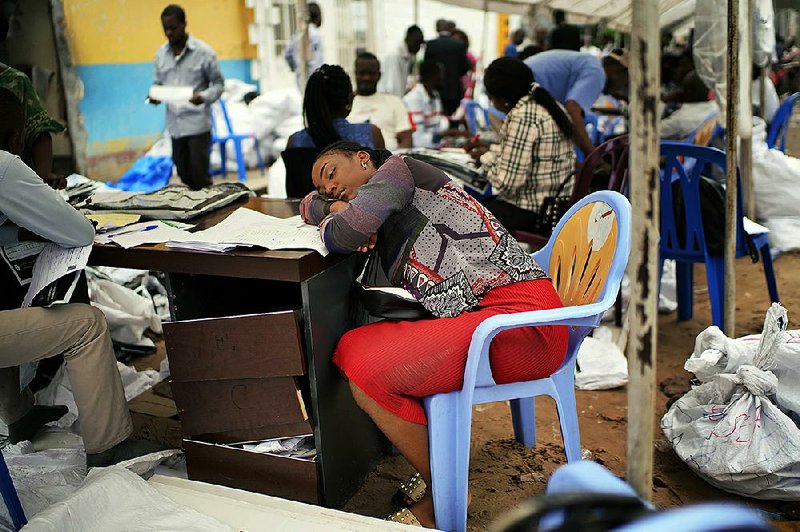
x,y
615,14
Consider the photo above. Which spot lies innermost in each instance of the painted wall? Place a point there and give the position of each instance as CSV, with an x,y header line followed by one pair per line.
x,y
114,43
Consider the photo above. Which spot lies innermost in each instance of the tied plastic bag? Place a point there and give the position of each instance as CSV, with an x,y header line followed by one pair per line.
x,y
729,430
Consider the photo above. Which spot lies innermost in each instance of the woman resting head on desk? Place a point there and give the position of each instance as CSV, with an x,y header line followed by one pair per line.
x,y
457,260
535,156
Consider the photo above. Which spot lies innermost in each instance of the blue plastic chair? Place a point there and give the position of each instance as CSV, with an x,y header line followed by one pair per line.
x,y
471,110
588,477
780,123
222,140
586,273
694,249
10,497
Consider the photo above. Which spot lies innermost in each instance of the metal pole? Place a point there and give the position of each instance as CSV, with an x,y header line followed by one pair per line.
x,y
416,12
643,265
305,46
732,66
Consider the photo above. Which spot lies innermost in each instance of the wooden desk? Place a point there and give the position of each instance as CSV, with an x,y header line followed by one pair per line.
x,y
215,285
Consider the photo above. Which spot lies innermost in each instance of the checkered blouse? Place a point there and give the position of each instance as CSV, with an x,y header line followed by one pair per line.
x,y
532,158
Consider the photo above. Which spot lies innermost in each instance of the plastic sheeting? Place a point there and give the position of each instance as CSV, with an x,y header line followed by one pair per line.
x,y
115,498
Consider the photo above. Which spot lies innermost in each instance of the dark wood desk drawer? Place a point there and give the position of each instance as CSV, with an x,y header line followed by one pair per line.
x,y
290,478
258,408
236,347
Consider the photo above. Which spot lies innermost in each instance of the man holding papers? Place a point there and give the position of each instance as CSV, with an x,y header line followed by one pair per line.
x,y
190,65
32,211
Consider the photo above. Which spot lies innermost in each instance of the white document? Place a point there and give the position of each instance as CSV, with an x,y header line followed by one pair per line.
x,y
252,228
151,232
170,93
55,262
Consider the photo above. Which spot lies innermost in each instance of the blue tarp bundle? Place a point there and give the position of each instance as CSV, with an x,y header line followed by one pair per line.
x,y
146,175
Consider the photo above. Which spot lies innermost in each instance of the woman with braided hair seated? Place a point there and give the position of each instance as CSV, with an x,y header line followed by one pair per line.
x,y
327,101
441,245
533,160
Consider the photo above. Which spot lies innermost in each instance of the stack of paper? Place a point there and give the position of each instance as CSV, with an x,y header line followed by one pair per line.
x,y
246,227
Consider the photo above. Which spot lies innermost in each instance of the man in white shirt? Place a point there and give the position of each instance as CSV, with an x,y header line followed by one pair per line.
x,y
425,107
383,110
32,211
315,52
695,109
398,74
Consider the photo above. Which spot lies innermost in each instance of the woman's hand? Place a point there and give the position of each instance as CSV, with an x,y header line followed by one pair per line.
x,y
337,206
369,245
475,151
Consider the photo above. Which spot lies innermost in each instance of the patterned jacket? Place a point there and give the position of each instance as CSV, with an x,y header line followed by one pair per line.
x,y
434,239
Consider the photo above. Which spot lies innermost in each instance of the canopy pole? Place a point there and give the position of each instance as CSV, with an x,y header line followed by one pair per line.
x,y
305,46
746,141
643,264
416,12
732,98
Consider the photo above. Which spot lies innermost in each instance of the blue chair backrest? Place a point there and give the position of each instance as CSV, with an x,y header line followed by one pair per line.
x,y
703,134
780,123
689,178
471,109
589,246
214,131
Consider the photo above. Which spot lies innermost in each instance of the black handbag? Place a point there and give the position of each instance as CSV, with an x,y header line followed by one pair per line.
x,y
552,210
373,294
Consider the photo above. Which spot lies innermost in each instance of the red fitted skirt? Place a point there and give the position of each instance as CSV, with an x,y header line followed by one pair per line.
x,y
397,363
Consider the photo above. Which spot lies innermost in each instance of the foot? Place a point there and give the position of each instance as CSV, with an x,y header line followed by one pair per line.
x,y
37,417
125,450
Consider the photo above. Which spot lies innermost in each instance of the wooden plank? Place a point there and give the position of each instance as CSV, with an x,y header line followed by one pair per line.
x,y
236,347
731,153
290,478
643,264
237,404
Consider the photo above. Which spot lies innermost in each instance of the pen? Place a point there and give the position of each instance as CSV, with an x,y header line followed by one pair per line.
x,y
137,230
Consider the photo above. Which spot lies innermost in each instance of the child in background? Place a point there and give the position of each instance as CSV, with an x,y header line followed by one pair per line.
x,y
425,107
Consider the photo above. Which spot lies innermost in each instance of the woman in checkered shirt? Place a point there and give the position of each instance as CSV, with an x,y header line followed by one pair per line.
x,y
534,158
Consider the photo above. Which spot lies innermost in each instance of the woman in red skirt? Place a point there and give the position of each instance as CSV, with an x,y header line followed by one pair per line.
x,y
457,260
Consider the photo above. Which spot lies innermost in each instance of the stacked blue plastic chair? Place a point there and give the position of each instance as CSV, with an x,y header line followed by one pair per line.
x,y
10,498
237,139
694,247
776,136
586,259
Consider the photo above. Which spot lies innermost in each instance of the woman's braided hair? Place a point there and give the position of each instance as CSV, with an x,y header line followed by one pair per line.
x,y
328,95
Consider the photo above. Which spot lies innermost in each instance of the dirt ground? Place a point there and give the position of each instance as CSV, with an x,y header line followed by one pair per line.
x,y
503,473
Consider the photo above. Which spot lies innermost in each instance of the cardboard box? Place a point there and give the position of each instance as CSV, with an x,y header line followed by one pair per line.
x,y
155,419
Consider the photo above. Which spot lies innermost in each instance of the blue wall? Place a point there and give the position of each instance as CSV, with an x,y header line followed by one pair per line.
x,y
113,105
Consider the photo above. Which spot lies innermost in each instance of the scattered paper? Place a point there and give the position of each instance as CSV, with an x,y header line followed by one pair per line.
x,y
170,93
153,232
54,263
109,221
246,227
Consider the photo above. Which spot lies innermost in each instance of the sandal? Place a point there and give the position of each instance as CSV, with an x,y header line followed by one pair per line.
x,y
404,517
410,491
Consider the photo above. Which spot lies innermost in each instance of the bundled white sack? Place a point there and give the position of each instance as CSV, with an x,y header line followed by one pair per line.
x,y
128,314
728,430
601,363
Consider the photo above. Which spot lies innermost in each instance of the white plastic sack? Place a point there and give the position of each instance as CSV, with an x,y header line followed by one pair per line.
x,y
114,498
776,180
601,364
763,24
729,431
128,314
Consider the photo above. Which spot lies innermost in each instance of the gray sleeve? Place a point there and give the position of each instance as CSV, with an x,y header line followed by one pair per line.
x,y
30,203
216,83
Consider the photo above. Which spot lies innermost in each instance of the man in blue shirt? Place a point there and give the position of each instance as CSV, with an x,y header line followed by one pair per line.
x,y
512,48
186,61
575,80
